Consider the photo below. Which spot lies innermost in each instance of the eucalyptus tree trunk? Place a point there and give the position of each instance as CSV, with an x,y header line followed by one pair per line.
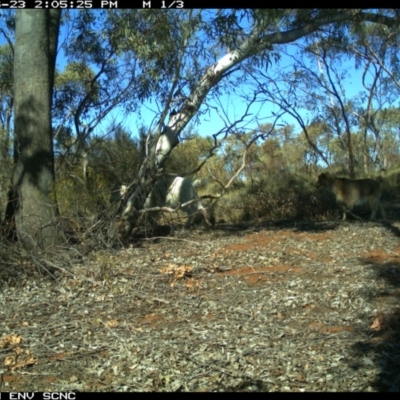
x,y
36,213
350,153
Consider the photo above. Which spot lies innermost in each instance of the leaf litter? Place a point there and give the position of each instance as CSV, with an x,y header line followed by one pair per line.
x,y
295,307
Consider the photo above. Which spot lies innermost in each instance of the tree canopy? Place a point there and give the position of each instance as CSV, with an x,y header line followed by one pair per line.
x,y
184,66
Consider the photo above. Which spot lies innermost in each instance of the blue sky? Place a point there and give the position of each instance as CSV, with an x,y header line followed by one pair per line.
x,y
233,104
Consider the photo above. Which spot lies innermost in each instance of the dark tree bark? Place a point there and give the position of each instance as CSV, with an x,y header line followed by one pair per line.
x,y
36,214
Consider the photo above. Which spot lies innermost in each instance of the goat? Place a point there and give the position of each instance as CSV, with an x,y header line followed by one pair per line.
x,y
349,192
169,192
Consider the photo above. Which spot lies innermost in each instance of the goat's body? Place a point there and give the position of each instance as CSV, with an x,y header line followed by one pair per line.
x,y
351,192
170,192
173,192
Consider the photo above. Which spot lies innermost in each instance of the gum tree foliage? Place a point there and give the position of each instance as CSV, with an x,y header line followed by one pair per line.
x,y
115,62
180,59
238,42
94,82
376,51
315,85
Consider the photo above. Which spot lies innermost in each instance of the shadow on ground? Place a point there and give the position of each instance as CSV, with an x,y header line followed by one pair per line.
x,y
384,342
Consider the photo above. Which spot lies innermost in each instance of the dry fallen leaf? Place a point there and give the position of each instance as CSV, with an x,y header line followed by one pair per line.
x,y
111,324
10,360
193,283
178,271
9,340
19,360
376,324
58,356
